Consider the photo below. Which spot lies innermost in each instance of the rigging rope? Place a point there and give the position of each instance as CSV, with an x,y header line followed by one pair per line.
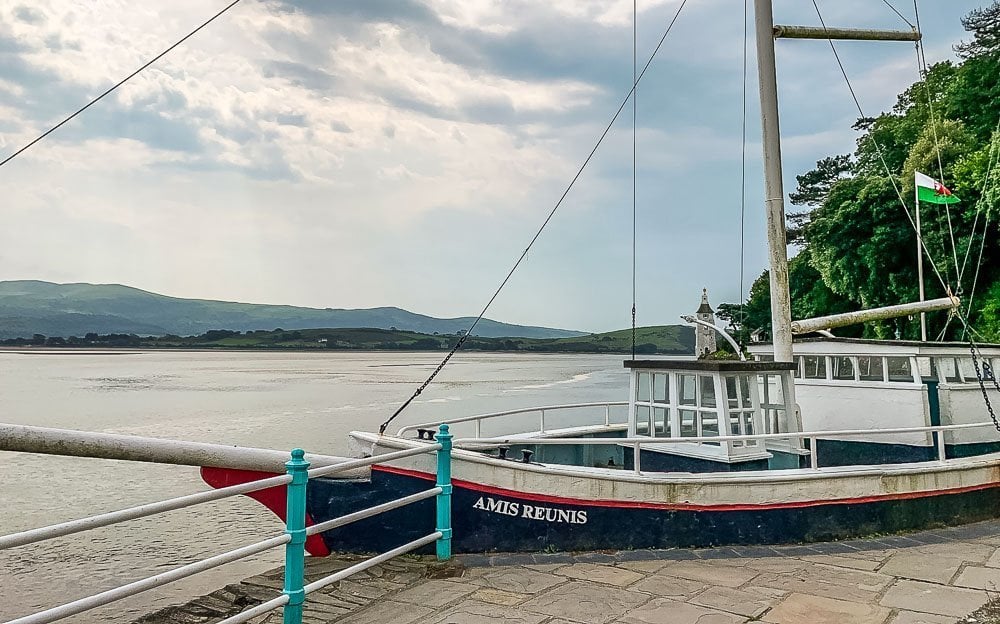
x,y
901,16
117,84
743,175
880,151
922,71
548,218
635,112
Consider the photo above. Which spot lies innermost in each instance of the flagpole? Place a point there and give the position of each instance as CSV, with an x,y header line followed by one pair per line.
x,y
920,262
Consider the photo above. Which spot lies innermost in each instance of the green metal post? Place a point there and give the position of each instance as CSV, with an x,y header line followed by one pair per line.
x,y
443,544
295,526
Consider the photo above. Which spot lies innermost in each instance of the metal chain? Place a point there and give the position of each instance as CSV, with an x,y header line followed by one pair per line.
x,y
990,376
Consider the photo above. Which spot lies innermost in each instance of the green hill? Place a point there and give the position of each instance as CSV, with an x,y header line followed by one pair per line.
x,y
30,307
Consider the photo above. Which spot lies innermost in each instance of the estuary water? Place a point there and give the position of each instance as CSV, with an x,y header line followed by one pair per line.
x,y
274,400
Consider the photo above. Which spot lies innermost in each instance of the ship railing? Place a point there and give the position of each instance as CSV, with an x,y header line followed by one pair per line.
x,y
478,419
296,532
937,431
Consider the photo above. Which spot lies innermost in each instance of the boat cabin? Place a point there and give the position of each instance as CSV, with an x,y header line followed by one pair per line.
x,y
847,383
677,399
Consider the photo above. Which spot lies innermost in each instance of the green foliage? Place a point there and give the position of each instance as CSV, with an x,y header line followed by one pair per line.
x,y
858,242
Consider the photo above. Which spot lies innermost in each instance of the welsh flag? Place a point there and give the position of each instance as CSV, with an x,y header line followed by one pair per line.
x,y
931,191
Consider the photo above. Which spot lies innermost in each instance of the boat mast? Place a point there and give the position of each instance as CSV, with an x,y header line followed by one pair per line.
x,y
774,194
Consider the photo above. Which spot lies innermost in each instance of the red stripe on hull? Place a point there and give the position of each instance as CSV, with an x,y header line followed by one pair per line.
x,y
273,498
561,500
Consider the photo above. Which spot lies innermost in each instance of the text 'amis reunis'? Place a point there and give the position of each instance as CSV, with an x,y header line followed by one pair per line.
x,y
532,512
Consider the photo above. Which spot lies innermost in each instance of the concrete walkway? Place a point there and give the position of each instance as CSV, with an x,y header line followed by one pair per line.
x,y
935,577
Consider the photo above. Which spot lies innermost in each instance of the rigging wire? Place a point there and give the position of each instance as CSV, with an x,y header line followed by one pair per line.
x,y
635,111
901,16
117,84
743,174
979,203
986,225
538,233
922,70
879,150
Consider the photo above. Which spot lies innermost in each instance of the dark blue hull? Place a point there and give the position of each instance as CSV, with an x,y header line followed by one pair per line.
x,y
486,519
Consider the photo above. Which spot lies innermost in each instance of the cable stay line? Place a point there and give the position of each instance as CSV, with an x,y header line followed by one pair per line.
x,y
901,16
548,218
743,170
881,153
923,73
117,84
635,113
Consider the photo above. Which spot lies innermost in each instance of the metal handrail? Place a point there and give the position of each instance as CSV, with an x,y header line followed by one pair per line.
x,y
152,582
294,538
835,433
478,418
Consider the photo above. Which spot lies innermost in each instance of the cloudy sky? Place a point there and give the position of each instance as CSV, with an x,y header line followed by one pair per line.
x,y
360,153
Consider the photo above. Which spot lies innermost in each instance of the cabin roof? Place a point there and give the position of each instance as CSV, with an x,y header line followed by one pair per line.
x,y
880,347
726,366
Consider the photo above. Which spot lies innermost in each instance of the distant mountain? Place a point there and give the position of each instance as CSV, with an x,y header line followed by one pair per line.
x,y
34,307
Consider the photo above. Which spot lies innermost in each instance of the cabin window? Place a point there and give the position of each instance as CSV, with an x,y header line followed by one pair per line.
x,y
689,426
740,406
814,366
642,420
926,367
898,369
843,368
772,403
870,369
798,367
949,368
968,369
661,388
661,422
642,387
707,391
686,389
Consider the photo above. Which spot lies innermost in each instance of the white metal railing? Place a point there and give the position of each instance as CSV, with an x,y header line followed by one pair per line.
x,y
294,537
637,443
479,418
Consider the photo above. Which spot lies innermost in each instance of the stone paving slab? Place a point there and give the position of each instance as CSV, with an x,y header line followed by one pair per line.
x,y
935,577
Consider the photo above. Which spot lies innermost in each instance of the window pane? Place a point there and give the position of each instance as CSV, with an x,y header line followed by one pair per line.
x,y
870,368
815,366
641,420
843,368
745,390
707,390
689,427
798,367
734,425
661,423
732,396
660,384
968,369
709,425
642,388
950,370
748,423
687,389
926,368
898,368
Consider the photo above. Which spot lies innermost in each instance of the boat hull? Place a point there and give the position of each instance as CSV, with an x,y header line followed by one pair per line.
x,y
488,519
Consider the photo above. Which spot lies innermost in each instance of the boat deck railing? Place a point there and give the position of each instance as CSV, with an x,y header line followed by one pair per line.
x,y
294,538
937,431
478,419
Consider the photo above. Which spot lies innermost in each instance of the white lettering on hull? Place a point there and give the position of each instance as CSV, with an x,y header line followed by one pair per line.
x,y
532,512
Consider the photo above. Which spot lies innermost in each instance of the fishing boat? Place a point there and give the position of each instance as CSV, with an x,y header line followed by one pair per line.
x,y
832,439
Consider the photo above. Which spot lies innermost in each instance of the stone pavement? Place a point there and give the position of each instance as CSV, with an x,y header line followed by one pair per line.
x,y
934,577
